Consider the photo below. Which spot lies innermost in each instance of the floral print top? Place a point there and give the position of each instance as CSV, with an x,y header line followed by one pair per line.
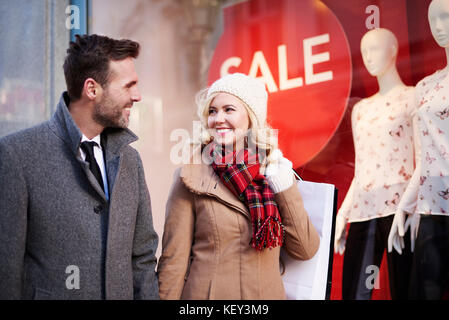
x,y
428,191
384,153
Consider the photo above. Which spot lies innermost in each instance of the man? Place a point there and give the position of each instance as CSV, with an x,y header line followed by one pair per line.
x,y
75,212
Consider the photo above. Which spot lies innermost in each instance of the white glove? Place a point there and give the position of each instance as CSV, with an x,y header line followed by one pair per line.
x,y
396,235
279,172
340,234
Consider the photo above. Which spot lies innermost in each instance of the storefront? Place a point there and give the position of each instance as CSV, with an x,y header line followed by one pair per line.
x,y
308,53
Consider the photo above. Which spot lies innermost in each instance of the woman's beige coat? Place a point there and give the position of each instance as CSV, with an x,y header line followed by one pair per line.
x,y
205,247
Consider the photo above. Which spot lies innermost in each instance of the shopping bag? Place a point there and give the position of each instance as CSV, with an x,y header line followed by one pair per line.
x,y
312,279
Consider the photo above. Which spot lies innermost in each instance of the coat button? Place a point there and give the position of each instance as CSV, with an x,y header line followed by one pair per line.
x,y
98,209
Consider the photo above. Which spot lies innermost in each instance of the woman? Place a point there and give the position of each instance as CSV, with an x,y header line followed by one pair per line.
x,y
225,221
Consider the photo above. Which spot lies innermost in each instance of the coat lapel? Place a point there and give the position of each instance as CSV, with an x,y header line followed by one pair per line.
x,y
113,167
91,178
63,125
201,179
113,139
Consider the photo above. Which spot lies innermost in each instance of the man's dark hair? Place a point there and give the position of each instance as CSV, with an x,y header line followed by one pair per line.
x,y
89,56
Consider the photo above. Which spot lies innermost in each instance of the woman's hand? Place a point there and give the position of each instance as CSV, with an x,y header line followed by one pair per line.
x,y
279,172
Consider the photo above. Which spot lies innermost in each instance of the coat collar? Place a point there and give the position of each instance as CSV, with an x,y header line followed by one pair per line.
x,y
201,178
112,139
65,127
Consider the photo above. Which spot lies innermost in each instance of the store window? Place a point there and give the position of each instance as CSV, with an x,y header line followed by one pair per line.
x,y
308,53
34,39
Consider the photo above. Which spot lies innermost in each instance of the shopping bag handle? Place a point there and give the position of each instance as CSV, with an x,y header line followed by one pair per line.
x,y
297,175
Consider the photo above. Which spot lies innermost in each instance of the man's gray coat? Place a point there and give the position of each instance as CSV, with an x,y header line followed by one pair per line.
x,y
56,221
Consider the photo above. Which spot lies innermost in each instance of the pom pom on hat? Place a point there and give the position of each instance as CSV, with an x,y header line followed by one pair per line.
x,y
250,90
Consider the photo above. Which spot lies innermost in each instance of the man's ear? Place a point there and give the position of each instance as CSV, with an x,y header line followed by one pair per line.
x,y
91,89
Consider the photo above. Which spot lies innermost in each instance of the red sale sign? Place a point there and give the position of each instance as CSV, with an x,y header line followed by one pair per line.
x,y
300,51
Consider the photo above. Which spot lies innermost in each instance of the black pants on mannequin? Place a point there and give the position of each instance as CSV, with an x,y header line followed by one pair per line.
x,y
430,272
365,246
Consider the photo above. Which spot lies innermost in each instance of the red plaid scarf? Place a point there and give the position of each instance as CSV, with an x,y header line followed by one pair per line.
x,y
240,174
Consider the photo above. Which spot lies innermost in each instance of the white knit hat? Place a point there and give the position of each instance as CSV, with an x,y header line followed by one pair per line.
x,y
250,90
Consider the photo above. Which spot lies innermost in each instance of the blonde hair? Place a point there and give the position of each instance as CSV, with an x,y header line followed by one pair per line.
x,y
261,134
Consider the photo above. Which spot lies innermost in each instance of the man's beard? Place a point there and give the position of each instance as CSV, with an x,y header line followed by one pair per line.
x,y
110,115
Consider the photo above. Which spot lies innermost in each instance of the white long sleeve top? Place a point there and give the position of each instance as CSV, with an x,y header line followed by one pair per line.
x,y
428,191
383,142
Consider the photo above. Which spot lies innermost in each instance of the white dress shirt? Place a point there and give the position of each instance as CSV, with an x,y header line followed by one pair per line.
x,y
428,191
98,154
384,155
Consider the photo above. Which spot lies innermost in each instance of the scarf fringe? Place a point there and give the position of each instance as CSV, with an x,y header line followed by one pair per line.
x,y
269,234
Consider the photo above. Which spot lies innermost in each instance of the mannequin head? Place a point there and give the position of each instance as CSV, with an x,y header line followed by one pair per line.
x,y
439,21
379,49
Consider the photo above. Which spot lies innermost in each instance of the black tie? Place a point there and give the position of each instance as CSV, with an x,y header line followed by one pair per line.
x,y
88,148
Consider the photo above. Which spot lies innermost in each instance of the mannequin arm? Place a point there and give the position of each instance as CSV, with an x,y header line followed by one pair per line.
x,y
408,203
345,208
413,222
396,235
342,220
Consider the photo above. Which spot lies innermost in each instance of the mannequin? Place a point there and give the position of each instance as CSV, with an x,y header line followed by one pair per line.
x,y
426,200
383,141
